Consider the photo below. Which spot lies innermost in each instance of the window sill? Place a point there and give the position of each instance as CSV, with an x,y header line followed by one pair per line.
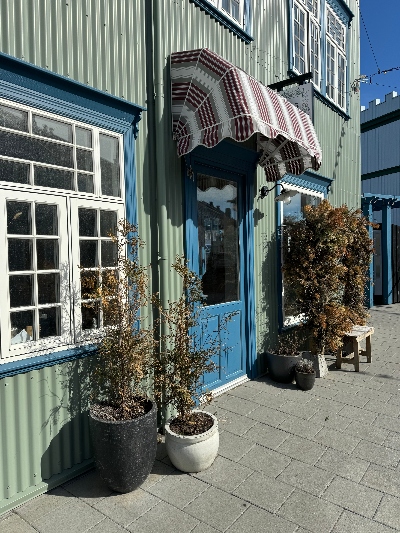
x,y
40,361
223,20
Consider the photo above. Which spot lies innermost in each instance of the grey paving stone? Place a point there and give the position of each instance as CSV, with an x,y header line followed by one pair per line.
x,y
343,465
73,517
339,441
244,392
265,460
15,524
387,422
356,413
236,405
232,422
299,448
89,487
322,389
351,397
353,523
302,410
264,491
159,470
389,512
325,404
266,435
107,526
310,512
217,508
163,518
367,431
300,427
232,446
381,395
203,528
264,385
306,477
269,416
383,408
224,474
178,489
353,496
383,479
257,520
331,420
393,440
125,508
377,454
40,506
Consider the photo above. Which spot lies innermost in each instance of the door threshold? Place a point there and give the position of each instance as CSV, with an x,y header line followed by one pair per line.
x,y
229,386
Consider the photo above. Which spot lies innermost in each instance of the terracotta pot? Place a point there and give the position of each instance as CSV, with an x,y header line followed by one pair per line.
x,y
192,453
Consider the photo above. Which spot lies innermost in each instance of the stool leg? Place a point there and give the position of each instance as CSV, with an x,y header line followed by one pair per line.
x,y
368,348
356,355
339,357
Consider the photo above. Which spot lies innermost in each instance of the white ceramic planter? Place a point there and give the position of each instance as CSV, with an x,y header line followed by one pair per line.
x,y
192,453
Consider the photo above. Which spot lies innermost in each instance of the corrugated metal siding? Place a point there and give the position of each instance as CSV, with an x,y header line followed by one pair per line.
x,y
377,148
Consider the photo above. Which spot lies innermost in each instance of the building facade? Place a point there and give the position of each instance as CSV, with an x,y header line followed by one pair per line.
x,y
92,120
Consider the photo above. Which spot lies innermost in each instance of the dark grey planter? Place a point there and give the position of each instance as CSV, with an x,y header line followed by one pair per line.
x,y
281,367
124,451
305,381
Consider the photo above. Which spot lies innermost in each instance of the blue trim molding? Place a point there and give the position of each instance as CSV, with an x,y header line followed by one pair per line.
x,y
27,84
218,16
309,180
342,11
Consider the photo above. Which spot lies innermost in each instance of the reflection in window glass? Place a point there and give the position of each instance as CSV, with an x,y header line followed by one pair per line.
x,y
85,183
84,160
218,238
19,254
14,172
54,178
22,327
109,164
87,222
19,218
108,223
83,137
53,129
21,291
46,219
15,119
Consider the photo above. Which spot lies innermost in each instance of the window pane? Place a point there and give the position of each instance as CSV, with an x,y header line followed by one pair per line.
x,y
14,119
53,129
87,222
14,172
109,164
108,253
85,183
46,219
218,235
90,317
47,254
21,291
49,322
83,137
22,327
25,147
19,254
48,288
19,220
88,254
84,160
89,283
108,223
54,178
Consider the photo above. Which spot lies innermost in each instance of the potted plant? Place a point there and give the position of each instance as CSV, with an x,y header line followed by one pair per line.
x,y
122,418
326,257
304,374
191,437
281,359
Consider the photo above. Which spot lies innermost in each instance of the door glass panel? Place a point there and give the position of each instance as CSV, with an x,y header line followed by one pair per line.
x,y
88,254
46,219
22,327
49,322
218,234
19,254
108,223
87,222
47,254
19,218
48,288
21,291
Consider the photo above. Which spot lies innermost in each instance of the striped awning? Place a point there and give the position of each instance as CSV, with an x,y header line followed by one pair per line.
x,y
212,100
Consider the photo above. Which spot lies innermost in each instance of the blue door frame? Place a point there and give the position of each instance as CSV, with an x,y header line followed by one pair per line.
x,y
228,159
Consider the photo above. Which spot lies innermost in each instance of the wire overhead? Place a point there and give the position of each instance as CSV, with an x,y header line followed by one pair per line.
x,y
369,40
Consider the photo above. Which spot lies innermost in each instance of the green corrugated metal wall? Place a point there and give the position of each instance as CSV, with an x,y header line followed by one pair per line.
x,y
108,45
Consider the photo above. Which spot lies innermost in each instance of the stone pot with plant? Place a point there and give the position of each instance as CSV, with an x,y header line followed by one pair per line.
x,y
191,437
326,258
122,418
282,358
304,374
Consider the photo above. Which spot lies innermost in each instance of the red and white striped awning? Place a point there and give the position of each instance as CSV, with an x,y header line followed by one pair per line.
x,y
212,99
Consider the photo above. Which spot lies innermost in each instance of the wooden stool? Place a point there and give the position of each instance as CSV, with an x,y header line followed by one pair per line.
x,y
353,338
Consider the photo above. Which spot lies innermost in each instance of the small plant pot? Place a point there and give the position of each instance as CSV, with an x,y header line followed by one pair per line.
x,y
192,453
281,367
305,381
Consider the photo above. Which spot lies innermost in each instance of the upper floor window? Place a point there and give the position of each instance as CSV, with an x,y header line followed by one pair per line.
x,y
316,27
231,8
61,193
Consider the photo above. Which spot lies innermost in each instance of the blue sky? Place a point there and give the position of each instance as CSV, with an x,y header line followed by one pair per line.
x,y
382,20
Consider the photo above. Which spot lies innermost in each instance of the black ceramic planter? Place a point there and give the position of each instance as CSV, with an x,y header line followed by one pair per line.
x,y
124,451
281,367
305,381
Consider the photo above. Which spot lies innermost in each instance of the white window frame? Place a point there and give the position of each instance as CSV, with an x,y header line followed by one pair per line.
x,y
219,5
292,320
338,45
311,26
68,202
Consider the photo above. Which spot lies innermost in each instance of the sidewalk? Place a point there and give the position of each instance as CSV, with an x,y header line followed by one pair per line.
x,y
327,460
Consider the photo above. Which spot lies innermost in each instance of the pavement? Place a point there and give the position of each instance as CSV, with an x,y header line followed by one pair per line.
x,y
326,460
